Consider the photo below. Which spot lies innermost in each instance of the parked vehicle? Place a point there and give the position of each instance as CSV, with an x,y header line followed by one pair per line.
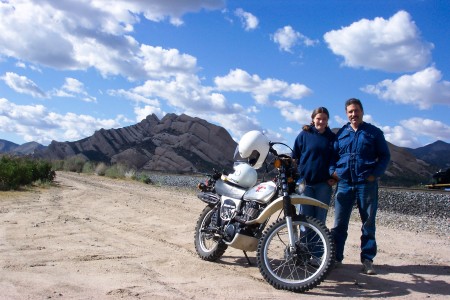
x,y
440,180
295,252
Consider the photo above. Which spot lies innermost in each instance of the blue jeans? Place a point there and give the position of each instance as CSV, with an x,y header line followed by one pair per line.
x,y
365,195
322,192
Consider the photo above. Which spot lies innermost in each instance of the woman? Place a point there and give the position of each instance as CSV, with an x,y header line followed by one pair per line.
x,y
313,150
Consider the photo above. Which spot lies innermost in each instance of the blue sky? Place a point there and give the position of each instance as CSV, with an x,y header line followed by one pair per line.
x,y
69,68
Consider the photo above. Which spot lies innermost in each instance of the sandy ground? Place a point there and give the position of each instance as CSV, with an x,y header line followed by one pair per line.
x,y
96,238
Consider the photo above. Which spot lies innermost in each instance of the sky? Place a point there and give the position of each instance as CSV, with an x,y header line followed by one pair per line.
x,y
71,67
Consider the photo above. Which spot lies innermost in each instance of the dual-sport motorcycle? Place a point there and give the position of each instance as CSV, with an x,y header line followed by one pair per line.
x,y
295,252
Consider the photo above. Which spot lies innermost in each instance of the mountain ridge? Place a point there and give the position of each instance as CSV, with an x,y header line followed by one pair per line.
x,y
180,143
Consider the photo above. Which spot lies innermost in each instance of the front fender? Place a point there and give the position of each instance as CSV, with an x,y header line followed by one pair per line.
x,y
277,205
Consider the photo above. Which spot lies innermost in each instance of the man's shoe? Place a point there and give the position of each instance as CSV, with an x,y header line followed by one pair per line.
x,y
368,267
337,264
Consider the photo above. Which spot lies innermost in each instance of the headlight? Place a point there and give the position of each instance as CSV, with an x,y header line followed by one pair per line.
x,y
300,186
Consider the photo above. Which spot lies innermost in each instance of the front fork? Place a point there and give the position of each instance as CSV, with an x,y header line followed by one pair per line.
x,y
288,213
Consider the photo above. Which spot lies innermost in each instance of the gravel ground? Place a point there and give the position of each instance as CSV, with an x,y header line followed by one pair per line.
x,y
417,211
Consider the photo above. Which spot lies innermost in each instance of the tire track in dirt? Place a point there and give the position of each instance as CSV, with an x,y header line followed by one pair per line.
x,y
91,237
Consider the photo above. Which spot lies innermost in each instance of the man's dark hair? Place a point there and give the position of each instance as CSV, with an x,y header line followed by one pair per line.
x,y
353,101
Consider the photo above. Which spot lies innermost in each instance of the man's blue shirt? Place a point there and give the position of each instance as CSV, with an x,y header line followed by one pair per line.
x,y
359,154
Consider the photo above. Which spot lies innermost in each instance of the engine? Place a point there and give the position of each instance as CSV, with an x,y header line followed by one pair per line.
x,y
234,218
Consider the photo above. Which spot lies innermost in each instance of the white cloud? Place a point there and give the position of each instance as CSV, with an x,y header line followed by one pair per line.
x,y
143,112
135,97
393,45
90,34
23,85
237,124
73,88
294,113
423,89
36,123
249,21
287,38
261,89
427,127
185,92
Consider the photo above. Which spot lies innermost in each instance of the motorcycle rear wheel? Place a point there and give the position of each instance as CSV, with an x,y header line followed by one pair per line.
x,y
301,267
208,245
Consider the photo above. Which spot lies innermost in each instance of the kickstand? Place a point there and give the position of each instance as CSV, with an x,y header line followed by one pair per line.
x,y
248,259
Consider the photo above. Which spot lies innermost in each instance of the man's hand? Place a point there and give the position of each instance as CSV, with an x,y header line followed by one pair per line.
x,y
335,177
371,178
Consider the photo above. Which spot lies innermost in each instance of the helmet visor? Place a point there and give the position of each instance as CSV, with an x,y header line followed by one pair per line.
x,y
253,158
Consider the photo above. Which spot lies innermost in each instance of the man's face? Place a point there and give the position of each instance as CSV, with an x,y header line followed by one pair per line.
x,y
355,115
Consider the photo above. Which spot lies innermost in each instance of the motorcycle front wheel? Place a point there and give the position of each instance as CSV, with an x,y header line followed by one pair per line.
x,y
300,267
208,243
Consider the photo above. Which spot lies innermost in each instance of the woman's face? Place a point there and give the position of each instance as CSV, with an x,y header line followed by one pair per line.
x,y
321,122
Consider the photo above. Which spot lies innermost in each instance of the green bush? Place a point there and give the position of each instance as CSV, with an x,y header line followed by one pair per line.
x,y
16,172
74,164
88,167
116,171
100,169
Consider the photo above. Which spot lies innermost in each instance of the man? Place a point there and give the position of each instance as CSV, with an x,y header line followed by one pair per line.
x,y
361,156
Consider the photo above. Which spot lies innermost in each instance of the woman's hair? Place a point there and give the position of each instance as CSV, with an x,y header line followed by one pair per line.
x,y
319,110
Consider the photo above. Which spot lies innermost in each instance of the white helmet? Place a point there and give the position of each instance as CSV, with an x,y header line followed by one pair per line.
x,y
254,146
243,176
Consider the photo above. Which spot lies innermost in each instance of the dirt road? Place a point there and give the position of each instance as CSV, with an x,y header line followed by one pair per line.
x,y
97,238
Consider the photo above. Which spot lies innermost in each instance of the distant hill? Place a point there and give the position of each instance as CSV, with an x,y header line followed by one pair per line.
x,y
172,144
6,146
15,149
405,169
437,153
180,143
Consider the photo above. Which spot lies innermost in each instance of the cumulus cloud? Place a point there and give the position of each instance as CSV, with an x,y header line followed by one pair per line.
x,y
249,21
143,112
36,123
412,132
261,89
73,88
431,128
287,38
294,113
237,123
89,34
422,89
23,85
393,45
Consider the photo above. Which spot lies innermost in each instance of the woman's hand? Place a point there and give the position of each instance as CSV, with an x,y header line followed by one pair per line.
x,y
331,181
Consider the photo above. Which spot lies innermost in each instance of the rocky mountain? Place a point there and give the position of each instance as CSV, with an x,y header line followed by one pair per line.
x,y
172,144
437,153
6,146
405,169
180,143
15,149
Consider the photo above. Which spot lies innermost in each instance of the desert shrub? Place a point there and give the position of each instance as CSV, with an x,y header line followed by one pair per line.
x,y
115,171
58,165
74,164
16,172
88,167
143,178
43,171
130,174
100,169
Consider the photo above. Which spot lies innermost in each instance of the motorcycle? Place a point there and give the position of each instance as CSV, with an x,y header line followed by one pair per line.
x,y
295,252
